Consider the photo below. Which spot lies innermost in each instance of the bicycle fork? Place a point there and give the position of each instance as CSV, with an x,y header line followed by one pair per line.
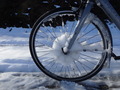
x,y
83,14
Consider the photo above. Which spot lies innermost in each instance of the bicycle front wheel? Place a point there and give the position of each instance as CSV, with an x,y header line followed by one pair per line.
x,y
87,55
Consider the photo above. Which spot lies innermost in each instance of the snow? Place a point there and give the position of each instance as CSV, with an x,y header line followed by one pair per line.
x,y
15,54
34,81
60,42
57,6
18,71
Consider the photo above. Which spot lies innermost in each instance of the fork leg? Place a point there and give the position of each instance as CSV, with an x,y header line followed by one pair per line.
x,y
82,19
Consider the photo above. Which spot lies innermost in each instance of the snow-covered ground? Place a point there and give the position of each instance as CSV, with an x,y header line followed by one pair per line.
x,y
14,51
18,71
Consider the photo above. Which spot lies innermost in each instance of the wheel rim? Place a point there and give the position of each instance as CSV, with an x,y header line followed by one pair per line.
x,y
51,36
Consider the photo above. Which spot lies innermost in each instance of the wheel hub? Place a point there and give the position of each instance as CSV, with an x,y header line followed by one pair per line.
x,y
64,51
60,53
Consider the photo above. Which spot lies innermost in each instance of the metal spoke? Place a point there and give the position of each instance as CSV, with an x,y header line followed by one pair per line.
x,y
90,38
96,52
81,64
52,40
89,56
51,66
88,60
39,36
77,67
61,68
92,43
68,70
84,65
41,43
41,46
74,71
55,68
53,30
73,27
48,59
49,31
65,72
87,33
44,54
50,62
55,36
44,50
52,34
83,31
86,28
44,33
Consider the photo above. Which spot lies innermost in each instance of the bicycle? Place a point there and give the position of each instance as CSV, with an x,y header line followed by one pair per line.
x,y
73,44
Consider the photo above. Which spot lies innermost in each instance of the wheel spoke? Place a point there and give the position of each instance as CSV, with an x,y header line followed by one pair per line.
x,y
93,43
89,56
81,64
44,54
77,67
88,60
52,66
89,38
73,28
87,33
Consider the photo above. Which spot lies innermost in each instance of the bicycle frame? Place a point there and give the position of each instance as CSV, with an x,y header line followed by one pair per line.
x,y
107,8
110,11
